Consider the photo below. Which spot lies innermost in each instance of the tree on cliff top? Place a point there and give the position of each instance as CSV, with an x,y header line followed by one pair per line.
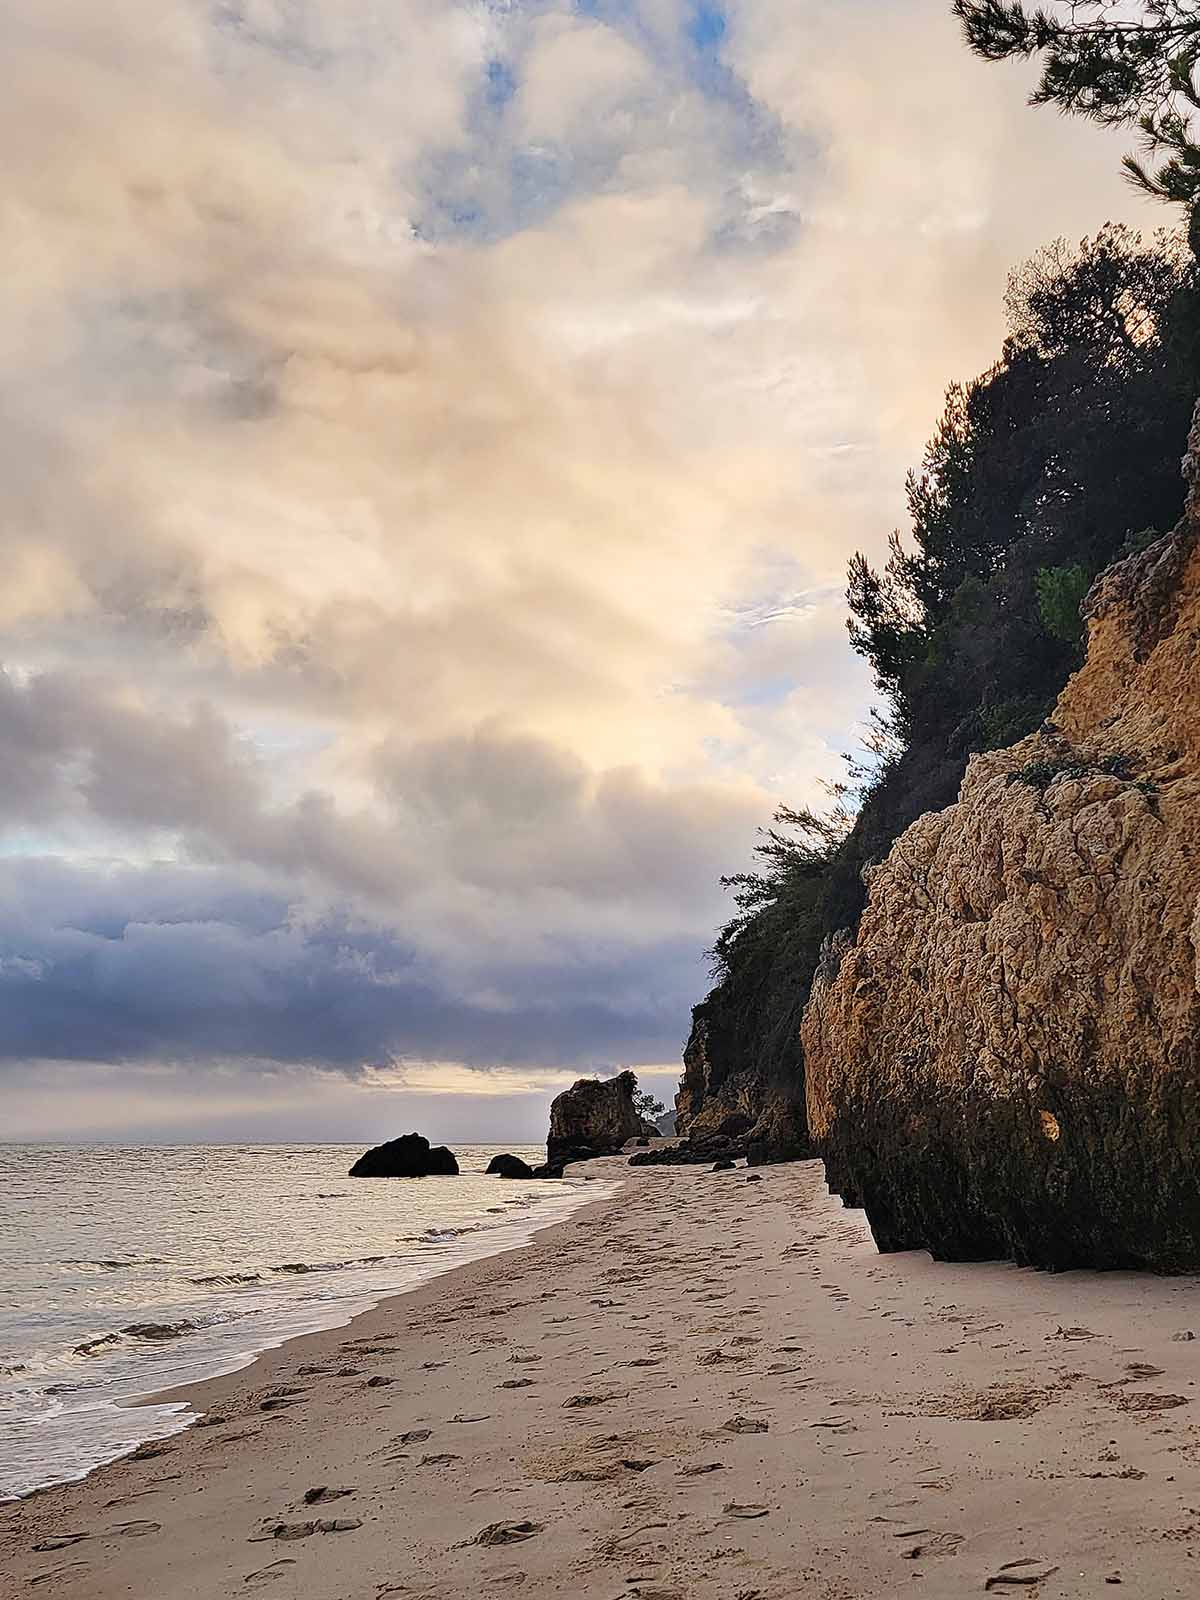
x,y
1100,62
646,1106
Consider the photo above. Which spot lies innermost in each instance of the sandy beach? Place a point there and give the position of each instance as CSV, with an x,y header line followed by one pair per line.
x,y
709,1385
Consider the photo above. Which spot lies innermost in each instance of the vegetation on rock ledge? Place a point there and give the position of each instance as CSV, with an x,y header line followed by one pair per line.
x,y
1041,472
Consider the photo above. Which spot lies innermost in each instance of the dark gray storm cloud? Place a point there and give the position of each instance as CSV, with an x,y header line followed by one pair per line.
x,y
193,965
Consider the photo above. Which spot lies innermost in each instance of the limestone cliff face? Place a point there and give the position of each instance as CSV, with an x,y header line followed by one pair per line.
x,y
1005,1062
721,1093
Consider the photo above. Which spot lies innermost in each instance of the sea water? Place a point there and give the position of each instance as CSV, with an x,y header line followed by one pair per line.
x,y
124,1272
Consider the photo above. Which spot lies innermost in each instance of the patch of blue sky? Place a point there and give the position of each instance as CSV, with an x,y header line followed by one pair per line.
x,y
494,186
484,201
500,84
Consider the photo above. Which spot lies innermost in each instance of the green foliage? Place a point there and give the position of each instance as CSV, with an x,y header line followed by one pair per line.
x,y
1060,592
764,957
1116,66
1046,464
1059,459
1040,775
647,1106
1010,720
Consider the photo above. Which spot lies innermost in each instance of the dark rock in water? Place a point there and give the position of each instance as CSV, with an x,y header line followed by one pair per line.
x,y
723,1165
509,1167
593,1118
547,1170
410,1156
643,1141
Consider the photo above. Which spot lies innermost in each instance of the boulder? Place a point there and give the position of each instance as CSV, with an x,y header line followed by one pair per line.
x,y
593,1117
507,1166
409,1156
723,1165
1005,1061
547,1170
690,1153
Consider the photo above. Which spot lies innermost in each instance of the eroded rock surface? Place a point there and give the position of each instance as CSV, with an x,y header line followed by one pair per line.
x,y
1006,1061
723,1095
594,1117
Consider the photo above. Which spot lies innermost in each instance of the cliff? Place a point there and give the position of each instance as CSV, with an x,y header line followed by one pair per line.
x,y
1005,1061
594,1117
729,1091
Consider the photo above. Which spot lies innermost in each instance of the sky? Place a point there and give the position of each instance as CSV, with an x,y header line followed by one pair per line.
x,y
434,437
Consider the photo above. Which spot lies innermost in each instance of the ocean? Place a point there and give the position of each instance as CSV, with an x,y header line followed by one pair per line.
x,y
127,1271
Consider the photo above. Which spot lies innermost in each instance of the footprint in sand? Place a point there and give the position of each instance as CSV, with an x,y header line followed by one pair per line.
x,y
279,1402
742,1424
305,1530
919,1542
1020,1574
268,1574
64,1574
149,1450
503,1533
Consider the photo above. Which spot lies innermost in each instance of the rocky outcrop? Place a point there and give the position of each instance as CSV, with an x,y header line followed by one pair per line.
x,y
594,1117
1005,1061
508,1166
685,1154
723,1094
410,1156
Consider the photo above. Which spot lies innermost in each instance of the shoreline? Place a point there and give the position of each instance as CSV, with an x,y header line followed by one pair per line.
x,y
191,1395
206,1392
706,1385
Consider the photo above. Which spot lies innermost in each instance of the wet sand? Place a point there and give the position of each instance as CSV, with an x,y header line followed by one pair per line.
x,y
709,1385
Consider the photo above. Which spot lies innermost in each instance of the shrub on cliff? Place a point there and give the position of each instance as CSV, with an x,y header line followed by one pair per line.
x,y
1039,474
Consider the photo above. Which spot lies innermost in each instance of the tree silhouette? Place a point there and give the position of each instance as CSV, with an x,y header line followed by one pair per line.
x,y
1100,62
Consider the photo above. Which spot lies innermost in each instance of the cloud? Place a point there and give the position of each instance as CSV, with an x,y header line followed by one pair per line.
x,y
433,439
